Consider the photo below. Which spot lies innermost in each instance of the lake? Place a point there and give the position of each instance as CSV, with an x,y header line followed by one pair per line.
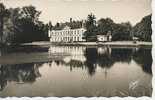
x,y
75,71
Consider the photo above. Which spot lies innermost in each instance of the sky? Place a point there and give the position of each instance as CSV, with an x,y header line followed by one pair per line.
x,y
62,10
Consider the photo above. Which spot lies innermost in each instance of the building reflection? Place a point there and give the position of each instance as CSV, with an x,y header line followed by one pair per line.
x,y
76,53
104,57
85,58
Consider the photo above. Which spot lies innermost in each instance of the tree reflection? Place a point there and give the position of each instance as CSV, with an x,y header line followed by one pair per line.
x,y
20,73
22,48
122,54
91,60
105,58
144,58
3,80
88,58
74,64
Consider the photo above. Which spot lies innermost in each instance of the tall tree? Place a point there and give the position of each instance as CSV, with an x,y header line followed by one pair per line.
x,y
14,29
143,29
90,34
50,25
30,12
20,25
104,25
3,13
122,32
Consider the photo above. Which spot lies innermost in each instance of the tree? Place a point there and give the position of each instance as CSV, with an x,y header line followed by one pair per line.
x,y
90,34
20,25
104,25
31,29
122,32
14,29
3,13
143,29
50,25
30,13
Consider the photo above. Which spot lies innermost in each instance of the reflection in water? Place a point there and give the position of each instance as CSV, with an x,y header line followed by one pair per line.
x,y
115,64
144,58
20,73
104,57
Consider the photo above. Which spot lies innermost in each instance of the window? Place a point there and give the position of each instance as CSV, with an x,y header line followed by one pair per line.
x,y
78,39
77,31
74,38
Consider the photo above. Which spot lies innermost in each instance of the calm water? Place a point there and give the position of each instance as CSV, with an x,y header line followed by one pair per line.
x,y
83,71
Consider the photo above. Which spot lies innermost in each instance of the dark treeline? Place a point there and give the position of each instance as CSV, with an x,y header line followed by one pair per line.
x,y
143,29
120,31
21,25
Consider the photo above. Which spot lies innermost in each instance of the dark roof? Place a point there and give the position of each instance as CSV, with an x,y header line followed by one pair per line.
x,y
63,25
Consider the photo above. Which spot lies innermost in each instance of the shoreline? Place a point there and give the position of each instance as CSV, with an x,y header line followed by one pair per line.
x,y
113,43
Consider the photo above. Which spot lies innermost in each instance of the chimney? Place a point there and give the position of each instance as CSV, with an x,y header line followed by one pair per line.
x,y
71,20
83,23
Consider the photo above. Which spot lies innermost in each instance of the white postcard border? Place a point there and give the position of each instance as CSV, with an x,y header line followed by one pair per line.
x,y
104,98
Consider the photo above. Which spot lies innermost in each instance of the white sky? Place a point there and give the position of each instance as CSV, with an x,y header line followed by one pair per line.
x,y
62,10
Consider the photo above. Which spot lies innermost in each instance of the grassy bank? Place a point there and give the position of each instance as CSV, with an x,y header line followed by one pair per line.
x,y
113,43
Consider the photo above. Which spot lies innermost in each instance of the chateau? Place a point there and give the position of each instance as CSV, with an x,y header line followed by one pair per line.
x,y
67,35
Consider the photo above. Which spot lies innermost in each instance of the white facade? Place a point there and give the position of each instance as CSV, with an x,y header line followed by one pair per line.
x,y
101,38
67,35
104,38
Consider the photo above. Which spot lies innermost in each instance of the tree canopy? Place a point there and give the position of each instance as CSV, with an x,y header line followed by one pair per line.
x,y
143,29
91,28
22,25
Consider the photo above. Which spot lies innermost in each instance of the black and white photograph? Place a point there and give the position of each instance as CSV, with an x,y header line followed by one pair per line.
x,y
76,48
